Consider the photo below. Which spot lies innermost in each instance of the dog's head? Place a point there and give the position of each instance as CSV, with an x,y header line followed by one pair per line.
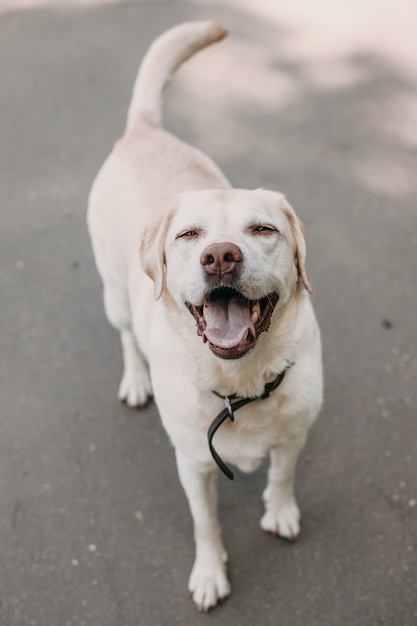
x,y
228,257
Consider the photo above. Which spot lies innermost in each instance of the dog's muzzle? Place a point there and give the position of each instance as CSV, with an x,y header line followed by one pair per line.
x,y
230,323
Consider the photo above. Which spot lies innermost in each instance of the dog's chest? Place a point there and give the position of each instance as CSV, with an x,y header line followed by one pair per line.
x,y
256,429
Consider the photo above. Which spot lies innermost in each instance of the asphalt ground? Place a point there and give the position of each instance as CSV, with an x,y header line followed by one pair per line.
x,y
94,527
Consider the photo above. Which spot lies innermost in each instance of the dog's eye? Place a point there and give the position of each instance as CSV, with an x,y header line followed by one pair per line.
x,y
262,229
192,233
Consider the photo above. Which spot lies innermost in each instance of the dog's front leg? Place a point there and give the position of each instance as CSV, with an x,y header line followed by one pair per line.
x,y
282,515
208,582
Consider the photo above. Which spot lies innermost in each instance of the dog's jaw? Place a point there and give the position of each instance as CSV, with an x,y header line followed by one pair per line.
x,y
231,323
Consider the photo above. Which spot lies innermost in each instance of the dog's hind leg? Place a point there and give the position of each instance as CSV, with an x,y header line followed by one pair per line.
x,y
282,515
110,256
135,387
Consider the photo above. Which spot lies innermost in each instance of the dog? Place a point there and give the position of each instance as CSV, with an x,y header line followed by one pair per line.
x,y
207,285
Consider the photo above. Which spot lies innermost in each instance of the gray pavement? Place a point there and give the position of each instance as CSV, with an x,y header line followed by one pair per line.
x,y
94,527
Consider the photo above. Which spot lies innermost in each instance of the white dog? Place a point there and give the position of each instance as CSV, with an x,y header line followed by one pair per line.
x,y
214,313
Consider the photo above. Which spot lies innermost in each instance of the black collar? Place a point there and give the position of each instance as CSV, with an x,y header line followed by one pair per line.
x,y
228,412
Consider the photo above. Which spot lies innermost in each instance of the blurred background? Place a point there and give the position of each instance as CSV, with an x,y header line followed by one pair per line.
x,y
315,99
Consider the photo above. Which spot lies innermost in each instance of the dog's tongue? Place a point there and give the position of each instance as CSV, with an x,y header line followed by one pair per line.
x,y
228,322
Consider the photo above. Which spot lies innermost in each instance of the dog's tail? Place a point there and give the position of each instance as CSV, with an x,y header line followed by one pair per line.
x,y
163,58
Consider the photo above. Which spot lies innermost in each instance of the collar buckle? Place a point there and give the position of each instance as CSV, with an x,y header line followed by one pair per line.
x,y
229,408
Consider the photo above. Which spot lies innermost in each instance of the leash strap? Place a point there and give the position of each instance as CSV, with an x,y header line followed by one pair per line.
x,y
228,412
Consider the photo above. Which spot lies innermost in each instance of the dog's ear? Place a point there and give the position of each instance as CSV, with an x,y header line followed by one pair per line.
x,y
299,235
152,253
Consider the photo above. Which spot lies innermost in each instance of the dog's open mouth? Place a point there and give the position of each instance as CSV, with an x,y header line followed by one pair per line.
x,y
230,323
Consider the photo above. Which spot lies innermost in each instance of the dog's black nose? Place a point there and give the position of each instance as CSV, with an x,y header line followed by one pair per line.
x,y
221,258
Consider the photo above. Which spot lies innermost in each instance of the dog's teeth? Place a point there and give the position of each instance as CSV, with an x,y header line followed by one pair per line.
x,y
255,312
205,309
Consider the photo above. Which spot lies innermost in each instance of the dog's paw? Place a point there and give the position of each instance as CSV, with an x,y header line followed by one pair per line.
x,y
135,388
208,584
283,521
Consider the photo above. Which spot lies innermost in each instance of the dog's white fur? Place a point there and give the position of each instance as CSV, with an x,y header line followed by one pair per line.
x,y
150,191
